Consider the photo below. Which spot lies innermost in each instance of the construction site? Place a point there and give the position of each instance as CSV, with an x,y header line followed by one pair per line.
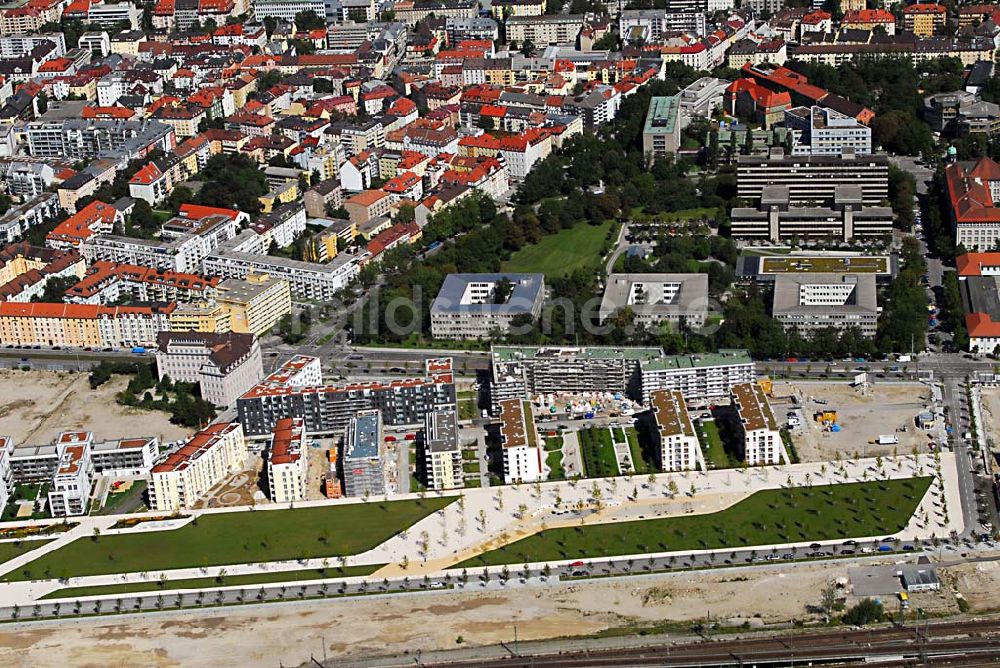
x,y
830,420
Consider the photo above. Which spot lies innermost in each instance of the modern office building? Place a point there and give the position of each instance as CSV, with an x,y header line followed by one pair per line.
x,y
442,450
364,455
761,437
522,452
702,98
661,134
808,303
777,219
699,377
208,458
654,299
650,25
677,441
812,179
819,130
297,390
225,366
522,372
478,306
287,462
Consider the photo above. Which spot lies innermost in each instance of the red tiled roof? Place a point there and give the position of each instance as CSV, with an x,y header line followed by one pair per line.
x,y
971,264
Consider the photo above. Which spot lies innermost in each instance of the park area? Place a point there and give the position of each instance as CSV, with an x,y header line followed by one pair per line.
x,y
219,539
768,517
578,247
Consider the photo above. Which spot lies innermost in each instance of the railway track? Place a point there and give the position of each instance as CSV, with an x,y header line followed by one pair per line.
x,y
964,643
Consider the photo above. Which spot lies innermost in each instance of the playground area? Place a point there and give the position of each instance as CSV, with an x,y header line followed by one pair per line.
x,y
855,418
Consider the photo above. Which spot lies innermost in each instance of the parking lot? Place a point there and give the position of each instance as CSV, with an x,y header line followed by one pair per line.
x,y
886,409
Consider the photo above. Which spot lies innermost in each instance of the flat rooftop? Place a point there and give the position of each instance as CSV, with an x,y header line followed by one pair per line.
x,y
442,432
518,353
800,264
475,293
365,436
724,357
662,115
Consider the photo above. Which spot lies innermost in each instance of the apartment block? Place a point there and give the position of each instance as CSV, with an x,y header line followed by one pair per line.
x,y
307,280
71,484
109,282
296,389
442,450
522,452
762,443
225,366
477,306
522,372
208,458
678,449
364,455
255,304
700,377
545,30
287,462
82,325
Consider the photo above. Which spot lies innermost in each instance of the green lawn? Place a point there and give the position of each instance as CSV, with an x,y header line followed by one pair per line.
x,y
766,517
553,443
471,467
598,453
712,446
554,461
11,549
225,581
639,464
578,247
467,408
236,538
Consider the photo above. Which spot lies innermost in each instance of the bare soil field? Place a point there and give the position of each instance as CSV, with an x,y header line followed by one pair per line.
x,y
36,405
289,633
863,417
990,397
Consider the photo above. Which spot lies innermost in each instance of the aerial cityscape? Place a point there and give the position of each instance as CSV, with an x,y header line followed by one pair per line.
x,y
357,333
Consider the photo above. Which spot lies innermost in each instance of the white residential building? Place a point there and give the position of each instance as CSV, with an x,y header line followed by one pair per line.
x,y
699,377
442,450
679,447
71,482
761,437
522,452
287,461
203,462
